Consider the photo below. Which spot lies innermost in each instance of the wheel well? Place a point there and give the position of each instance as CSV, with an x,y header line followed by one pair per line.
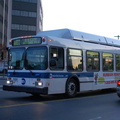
x,y
76,80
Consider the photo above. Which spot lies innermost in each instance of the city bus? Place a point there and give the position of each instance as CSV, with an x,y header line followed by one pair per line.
x,y
62,61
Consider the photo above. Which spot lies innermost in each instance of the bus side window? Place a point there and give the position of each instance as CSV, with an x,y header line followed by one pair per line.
x,y
74,59
117,62
93,61
108,61
56,58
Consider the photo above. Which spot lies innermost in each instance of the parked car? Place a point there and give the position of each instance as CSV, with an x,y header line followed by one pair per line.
x,y
118,88
3,67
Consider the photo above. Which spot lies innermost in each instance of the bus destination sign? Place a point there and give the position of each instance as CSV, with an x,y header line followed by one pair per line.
x,y
27,41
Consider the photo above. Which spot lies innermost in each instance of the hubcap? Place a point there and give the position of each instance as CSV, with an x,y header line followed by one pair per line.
x,y
71,88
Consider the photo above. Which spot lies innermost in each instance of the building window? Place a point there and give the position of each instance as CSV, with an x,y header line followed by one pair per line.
x,y
32,1
23,27
24,13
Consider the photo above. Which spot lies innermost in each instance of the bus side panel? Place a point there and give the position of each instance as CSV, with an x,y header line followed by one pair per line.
x,y
85,86
105,80
86,83
57,85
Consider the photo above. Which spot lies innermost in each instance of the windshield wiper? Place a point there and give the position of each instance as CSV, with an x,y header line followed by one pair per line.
x,y
31,72
14,72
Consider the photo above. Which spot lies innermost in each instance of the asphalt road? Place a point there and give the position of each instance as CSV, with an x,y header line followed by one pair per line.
x,y
86,106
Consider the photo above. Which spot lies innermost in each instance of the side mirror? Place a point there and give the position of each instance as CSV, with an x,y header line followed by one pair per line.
x,y
53,63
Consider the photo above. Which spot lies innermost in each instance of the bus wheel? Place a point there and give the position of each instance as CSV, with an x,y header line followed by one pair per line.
x,y
71,88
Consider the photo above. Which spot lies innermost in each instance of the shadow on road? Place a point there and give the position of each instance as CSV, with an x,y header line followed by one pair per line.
x,y
22,97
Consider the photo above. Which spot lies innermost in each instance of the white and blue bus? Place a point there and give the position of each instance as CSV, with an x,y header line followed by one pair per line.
x,y
62,61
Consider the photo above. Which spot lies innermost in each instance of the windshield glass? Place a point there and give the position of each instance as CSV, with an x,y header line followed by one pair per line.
x,y
36,58
15,58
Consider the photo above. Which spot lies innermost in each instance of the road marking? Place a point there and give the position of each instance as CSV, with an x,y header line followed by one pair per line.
x,y
42,102
97,118
16,105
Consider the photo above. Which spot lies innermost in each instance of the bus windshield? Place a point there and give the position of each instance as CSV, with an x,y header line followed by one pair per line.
x,y
15,58
36,58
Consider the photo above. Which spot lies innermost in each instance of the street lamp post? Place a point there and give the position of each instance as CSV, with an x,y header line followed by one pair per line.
x,y
118,36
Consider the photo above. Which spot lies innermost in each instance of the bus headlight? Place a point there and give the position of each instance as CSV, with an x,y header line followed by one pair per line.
x,y
40,84
9,82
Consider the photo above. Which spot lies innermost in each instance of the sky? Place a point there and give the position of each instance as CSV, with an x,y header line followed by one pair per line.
x,y
100,17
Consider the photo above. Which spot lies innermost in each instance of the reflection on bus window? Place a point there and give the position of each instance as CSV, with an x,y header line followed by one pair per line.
x,y
36,58
15,58
57,55
93,61
74,60
107,62
117,62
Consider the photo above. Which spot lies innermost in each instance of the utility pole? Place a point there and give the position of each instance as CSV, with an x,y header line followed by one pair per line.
x,y
3,34
3,29
118,36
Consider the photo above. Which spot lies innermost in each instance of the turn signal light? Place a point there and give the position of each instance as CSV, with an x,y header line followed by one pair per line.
x,y
43,39
118,83
26,36
10,42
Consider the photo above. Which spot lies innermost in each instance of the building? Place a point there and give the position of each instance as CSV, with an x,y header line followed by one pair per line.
x,y
3,22
18,18
25,17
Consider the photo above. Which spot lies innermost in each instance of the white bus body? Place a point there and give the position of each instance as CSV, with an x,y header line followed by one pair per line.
x,y
70,61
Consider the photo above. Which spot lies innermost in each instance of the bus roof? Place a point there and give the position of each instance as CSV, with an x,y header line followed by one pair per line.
x,y
82,36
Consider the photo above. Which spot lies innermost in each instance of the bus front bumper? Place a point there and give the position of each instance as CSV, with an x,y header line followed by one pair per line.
x,y
26,89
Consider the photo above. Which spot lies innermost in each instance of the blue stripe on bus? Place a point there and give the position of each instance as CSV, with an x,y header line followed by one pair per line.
x,y
48,75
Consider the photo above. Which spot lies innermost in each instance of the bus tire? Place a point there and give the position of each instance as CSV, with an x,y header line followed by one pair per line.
x,y
71,88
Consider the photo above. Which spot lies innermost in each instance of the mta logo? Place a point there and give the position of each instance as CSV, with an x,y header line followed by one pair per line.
x,y
23,81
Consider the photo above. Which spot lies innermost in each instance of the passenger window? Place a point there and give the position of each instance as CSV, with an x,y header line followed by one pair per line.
x,y
74,60
56,58
107,62
117,62
93,61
